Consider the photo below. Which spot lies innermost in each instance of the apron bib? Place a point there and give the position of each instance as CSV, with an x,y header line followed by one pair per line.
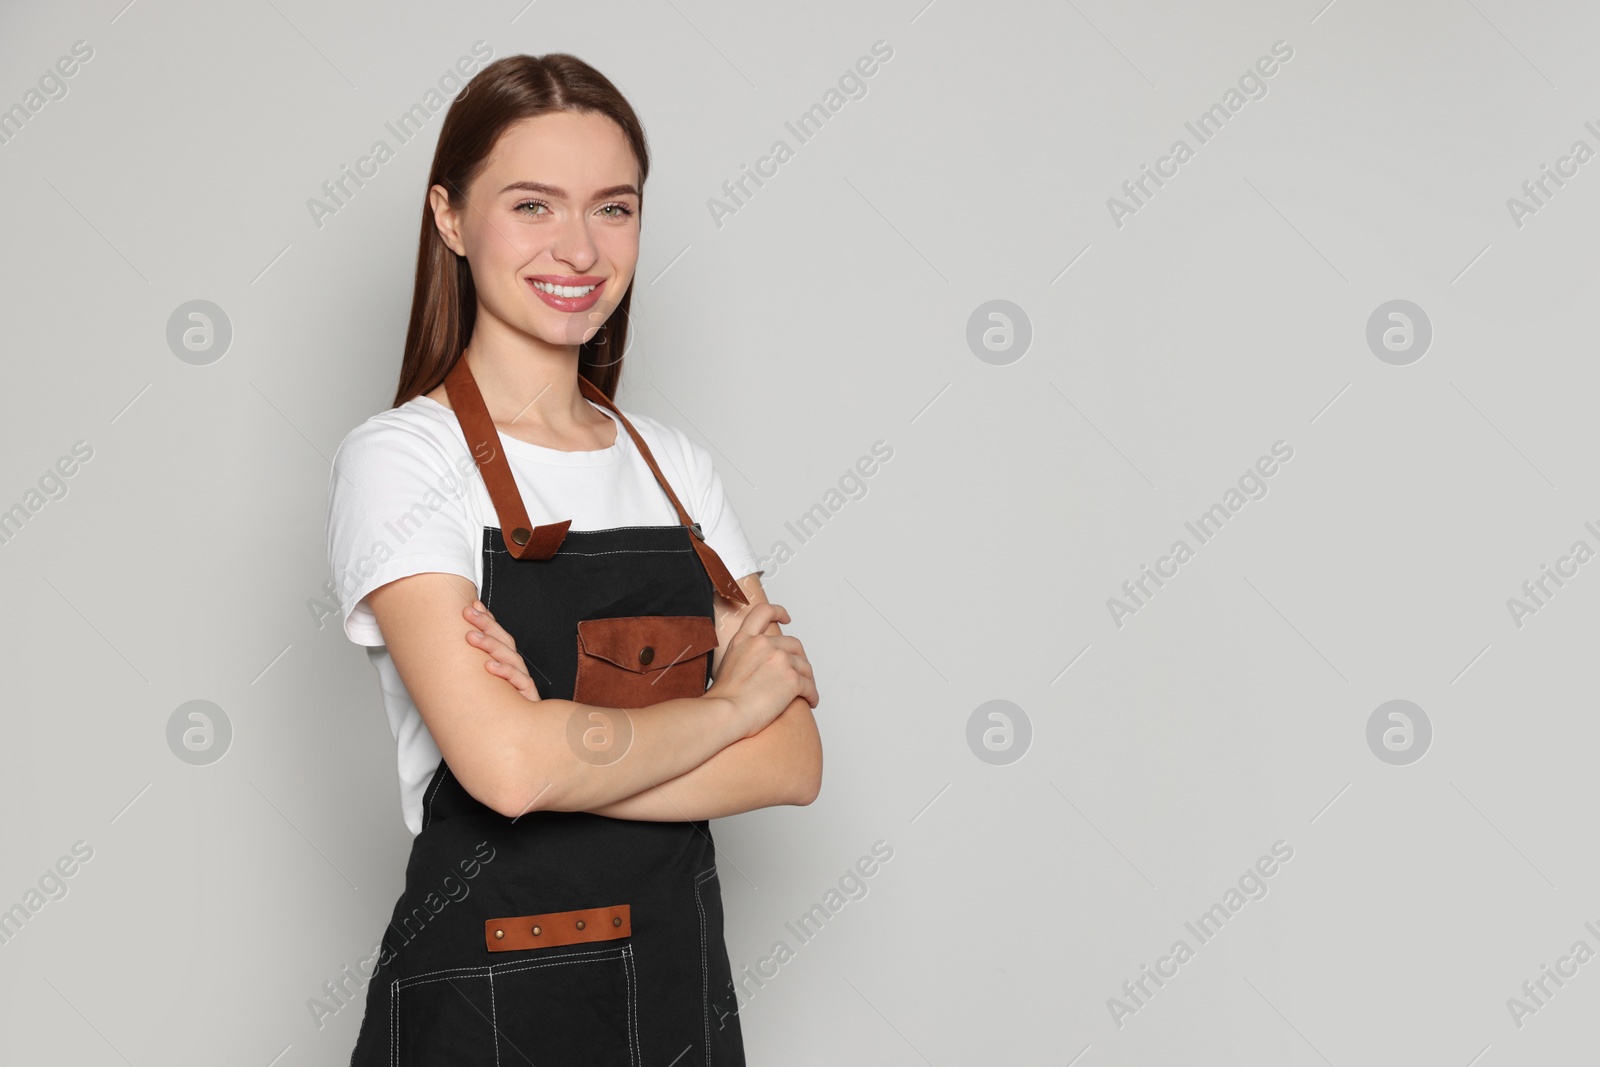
x,y
567,938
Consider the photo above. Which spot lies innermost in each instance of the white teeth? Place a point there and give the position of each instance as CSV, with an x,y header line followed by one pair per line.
x,y
563,290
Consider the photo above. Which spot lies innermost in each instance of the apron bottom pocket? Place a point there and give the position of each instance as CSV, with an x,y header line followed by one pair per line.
x,y
576,1007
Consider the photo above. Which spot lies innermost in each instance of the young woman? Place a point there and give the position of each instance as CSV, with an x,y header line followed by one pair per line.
x,y
547,585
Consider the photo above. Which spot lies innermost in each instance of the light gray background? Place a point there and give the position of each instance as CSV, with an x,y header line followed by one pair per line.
x,y
1167,355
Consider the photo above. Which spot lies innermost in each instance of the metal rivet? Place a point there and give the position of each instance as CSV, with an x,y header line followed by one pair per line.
x,y
580,924
646,654
535,931
498,934
617,921
520,535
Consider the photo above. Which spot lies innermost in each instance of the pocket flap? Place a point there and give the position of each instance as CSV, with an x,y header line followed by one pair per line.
x,y
644,643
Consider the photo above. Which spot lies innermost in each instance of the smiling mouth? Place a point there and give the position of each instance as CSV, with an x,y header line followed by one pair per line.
x,y
568,291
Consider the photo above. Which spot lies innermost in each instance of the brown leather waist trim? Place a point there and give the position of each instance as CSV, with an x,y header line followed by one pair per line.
x,y
557,928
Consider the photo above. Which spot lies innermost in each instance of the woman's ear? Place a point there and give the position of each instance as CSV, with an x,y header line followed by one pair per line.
x,y
446,219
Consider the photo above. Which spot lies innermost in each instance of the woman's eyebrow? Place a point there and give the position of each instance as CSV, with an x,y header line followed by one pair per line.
x,y
561,194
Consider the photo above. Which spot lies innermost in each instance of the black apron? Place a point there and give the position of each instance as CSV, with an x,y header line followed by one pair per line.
x,y
567,938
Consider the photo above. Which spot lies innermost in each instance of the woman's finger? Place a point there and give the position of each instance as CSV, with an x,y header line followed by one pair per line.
x,y
494,646
760,616
519,678
504,660
479,615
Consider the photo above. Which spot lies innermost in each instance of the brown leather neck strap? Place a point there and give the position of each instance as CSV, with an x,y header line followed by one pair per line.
x,y
522,538
720,577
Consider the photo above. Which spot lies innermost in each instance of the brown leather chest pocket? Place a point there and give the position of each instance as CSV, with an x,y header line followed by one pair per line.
x,y
637,660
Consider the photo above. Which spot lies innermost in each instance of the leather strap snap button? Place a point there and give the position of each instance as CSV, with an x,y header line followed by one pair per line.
x,y
646,654
520,535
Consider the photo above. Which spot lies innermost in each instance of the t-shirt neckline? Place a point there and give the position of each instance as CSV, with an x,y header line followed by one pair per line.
x,y
515,446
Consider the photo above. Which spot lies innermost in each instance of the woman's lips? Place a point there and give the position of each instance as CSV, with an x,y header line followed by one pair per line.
x,y
568,303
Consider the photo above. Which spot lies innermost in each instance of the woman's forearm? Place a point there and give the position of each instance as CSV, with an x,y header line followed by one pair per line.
x,y
782,764
540,769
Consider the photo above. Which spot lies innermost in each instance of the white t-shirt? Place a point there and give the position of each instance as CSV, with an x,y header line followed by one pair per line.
x,y
405,497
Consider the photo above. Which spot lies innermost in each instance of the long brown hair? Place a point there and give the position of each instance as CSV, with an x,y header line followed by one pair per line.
x,y
444,303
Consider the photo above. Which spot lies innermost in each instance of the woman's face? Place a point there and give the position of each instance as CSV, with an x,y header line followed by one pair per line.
x,y
551,225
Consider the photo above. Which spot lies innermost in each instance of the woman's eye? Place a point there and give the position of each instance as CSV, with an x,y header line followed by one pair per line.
x,y
616,211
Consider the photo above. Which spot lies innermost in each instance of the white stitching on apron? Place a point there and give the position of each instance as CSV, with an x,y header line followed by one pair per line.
x,y
611,552
509,968
488,579
494,1019
705,981
428,815
606,529
635,1057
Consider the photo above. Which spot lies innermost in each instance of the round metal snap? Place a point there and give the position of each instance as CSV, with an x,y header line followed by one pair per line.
x,y
646,654
535,931
499,934
520,535
616,921
580,924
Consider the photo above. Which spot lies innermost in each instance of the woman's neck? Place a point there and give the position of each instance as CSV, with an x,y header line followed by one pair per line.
x,y
531,391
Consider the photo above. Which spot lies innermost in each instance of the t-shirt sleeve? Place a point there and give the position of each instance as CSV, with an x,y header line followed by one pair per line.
x,y
396,507
712,509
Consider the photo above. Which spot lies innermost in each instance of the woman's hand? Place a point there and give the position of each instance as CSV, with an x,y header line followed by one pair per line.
x,y
762,673
504,660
